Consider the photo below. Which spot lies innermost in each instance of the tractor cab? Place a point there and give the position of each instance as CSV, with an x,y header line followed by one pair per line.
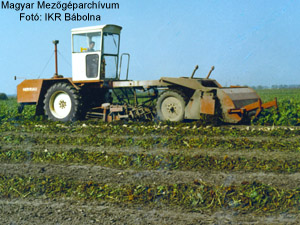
x,y
95,53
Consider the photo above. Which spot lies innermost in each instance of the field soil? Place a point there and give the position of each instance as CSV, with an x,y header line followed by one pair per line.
x,y
43,209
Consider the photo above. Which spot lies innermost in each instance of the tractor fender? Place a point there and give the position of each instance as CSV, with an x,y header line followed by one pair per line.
x,y
33,91
194,84
183,82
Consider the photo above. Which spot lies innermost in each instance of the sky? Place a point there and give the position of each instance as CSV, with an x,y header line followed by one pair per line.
x,y
249,42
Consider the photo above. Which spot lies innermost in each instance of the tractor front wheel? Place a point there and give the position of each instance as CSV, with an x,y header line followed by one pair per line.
x,y
62,103
171,106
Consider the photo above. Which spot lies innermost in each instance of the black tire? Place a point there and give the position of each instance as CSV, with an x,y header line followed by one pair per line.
x,y
171,106
63,103
20,107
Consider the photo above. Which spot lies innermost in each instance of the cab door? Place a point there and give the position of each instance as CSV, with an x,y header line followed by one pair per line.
x,y
110,56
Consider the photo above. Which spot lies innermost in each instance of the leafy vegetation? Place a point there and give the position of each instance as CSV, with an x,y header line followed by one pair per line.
x,y
170,161
289,107
197,195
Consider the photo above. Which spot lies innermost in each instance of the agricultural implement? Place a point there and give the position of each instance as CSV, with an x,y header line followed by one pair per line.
x,y
96,88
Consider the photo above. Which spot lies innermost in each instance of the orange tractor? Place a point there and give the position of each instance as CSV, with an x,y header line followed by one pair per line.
x,y
97,90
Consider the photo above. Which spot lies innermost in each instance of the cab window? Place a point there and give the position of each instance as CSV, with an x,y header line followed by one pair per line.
x,y
82,42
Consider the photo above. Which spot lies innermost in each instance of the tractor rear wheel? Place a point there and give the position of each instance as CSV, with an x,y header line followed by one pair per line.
x,y
62,103
171,106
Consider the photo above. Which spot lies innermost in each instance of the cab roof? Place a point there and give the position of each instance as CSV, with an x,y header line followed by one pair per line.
x,y
106,28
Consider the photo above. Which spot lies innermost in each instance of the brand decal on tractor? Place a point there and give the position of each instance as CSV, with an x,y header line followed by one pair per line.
x,y
30,89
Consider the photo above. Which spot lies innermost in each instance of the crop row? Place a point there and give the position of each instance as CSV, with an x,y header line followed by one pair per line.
x,y
150,142
142,129
197,195
289,107
167,161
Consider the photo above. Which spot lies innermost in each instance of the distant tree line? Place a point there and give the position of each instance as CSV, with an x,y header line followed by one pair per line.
x,y
3,96
281,86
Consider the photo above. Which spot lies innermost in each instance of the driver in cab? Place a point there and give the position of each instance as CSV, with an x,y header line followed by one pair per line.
x,y
91,46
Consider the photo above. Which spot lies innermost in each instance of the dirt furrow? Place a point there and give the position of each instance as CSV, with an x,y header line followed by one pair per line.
x,y
139,136
108,175
218,151
64,211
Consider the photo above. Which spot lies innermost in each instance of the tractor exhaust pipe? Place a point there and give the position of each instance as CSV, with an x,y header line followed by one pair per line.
x,y
55,42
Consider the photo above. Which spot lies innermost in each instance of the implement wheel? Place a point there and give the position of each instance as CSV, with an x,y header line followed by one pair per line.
x,y
171,105
62,103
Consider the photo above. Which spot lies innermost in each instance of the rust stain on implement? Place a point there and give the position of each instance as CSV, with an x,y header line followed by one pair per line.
x,y
207,105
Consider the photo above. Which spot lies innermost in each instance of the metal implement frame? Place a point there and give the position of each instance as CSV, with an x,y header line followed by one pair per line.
x,y
258,106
